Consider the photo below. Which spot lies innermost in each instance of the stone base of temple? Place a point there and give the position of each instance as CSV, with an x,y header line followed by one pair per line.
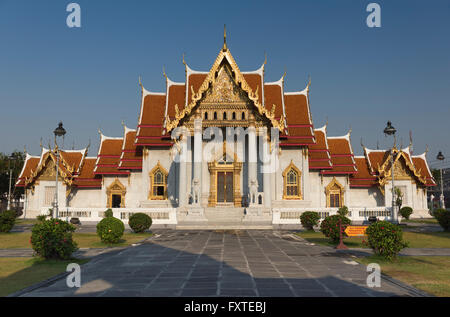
x,y
191,214
257,214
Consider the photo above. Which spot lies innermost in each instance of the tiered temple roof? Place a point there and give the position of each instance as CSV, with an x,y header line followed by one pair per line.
x,y
161,112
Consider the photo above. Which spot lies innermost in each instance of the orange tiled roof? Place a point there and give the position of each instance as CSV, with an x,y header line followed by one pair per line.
x,y
299,123
342,156
319,154
30,165
363,178
150,126
108,157
420,163
131,156
87,178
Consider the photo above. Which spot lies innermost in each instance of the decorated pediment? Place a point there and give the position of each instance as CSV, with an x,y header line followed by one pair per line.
x,y
402,169
47,170
225,84
224,90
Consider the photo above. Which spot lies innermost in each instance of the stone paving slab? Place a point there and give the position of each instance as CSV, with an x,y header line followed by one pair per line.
x,y
224,263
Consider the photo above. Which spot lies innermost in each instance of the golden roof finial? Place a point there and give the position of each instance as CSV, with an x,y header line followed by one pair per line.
x,y
40,144
284,74
164,72
184,62
326,122
378,145
25,149
88,146
309,82
123,123
265,58
426,149
224,38
99,131
350,130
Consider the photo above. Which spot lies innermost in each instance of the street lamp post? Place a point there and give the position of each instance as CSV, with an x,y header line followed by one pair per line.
x,y
441,157
59,131
11,157
390,130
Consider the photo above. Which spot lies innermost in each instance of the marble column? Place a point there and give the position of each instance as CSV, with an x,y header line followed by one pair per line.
x,y
252,164
266,169
182,199
198,151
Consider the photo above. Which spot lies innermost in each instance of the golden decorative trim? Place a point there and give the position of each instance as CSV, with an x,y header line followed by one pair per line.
x,y
331,189
116,188
239,80
290,167
158,167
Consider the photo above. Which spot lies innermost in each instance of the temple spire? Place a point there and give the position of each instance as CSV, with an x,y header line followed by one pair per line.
x,y
224,38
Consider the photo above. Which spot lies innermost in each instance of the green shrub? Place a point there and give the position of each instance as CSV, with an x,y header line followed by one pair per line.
x,y
343,211
43,217
140,222
386,239
7,220
110,230
309,219
405,212
109,213
52,239
443,217
330,226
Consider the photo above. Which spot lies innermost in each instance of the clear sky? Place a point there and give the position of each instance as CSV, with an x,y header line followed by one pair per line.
x,y
361,77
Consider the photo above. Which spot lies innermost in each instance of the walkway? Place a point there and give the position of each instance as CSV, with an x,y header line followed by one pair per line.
x,y
224,263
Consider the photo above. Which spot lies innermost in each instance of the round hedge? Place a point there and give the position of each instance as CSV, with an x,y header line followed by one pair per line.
x,y
330,226
443,217
7,220
110,230
140,222
386,239
309,219
108,213
52,239
405,212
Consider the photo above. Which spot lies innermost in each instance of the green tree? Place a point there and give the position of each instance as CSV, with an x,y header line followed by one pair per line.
x,y
16,164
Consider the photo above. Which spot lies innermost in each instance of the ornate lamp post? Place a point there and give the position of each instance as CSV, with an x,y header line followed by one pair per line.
x,y
11,157
441,157
390,130
59,131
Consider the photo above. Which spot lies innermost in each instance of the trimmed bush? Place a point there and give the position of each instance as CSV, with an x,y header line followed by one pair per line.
x,y
7,220
330,226
386,239
343,211
109,213
443,217
42,218
110,230
52,239
140,222
405,212
309,219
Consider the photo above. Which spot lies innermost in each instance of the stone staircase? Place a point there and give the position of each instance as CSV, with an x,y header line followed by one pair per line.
x,y
222,218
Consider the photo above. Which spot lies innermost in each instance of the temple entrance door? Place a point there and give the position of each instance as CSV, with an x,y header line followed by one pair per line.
x,y
225,187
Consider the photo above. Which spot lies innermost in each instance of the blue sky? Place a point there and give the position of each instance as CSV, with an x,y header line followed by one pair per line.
x,y
361,77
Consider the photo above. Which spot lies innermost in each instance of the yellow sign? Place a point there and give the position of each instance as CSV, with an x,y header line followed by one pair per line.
x,y
354,231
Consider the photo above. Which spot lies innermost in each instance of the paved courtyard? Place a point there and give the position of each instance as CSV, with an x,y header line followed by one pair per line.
x,y
224,263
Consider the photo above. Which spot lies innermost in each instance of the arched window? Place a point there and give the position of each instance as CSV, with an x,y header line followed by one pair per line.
x,y
215,115
291,176
116,195
335,194
224,116
234,116
158,183
206,116
243,115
